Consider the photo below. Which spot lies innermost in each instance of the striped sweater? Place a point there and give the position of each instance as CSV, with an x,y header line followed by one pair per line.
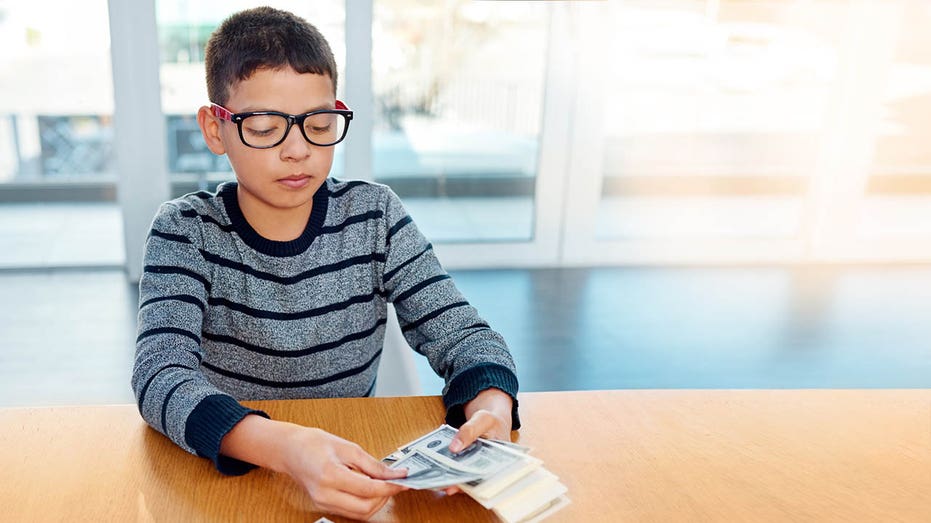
x,y
226,315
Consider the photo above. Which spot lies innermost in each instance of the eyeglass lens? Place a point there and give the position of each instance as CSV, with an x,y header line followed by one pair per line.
x,y
266,130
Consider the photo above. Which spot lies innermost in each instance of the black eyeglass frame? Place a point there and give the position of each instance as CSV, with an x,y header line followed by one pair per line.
x,y
225,114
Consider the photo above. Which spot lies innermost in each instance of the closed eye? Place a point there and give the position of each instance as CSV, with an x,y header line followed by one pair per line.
x,y
262,132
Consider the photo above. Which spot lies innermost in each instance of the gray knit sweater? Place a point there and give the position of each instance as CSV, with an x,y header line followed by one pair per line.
x,y
227,315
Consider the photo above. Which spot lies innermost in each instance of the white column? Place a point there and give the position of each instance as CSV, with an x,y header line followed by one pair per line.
x,y
841,175
358,89
138,123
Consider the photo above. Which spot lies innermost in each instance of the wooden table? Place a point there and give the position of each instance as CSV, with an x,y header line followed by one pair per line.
x,y
815,455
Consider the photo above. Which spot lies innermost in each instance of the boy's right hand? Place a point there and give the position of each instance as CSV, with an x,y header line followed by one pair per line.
x,y
339,476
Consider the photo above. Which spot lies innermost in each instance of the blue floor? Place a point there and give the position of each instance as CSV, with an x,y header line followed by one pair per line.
x,y
67,335
606,328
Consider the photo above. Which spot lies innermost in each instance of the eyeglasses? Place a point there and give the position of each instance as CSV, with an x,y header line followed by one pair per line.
x,y
267,129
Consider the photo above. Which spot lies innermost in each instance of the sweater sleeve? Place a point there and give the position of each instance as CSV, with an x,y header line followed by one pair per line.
x,y
173,395
439,322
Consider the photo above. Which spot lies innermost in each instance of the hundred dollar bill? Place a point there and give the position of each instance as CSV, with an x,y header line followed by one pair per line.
x,y
448,432
537,480
423,472
529,500
444,429
483,457
489,487
441,430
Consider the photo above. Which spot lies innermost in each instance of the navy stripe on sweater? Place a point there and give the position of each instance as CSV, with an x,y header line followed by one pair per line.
x,y
329,229
168,330
167,399
419,287
295,384
170,269
191,213
168,236
296,353
299,315
390,274
397,227
145,388
434,314
349,186
479,327
186,298
289,280
358,218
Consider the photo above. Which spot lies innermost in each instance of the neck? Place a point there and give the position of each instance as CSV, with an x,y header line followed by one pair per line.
x,y
277,224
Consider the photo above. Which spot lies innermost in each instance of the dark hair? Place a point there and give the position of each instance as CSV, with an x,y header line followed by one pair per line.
x,y
263,38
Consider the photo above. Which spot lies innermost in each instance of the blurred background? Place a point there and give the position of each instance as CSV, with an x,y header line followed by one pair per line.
x,y
638,194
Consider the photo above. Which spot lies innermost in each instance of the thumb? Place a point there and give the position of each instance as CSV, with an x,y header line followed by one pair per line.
x,y
482,422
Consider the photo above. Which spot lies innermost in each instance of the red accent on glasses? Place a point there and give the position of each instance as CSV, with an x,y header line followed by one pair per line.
x,y
225,114
221,112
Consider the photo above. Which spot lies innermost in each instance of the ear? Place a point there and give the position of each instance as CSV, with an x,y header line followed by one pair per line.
x,y
210,128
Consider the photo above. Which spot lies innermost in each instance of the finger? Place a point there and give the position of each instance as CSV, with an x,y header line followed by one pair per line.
x,y
376,509
359,484
482,422
348,505
451,491
371,467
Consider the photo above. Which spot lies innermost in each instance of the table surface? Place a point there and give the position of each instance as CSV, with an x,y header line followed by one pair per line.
x,y
634,455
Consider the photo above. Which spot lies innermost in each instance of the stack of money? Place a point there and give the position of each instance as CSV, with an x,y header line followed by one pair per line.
x,y
500,475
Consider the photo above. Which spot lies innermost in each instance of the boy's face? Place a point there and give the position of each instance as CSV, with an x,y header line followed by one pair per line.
x,y
285,176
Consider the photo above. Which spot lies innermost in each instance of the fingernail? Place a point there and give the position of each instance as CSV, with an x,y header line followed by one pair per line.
x,y
456,445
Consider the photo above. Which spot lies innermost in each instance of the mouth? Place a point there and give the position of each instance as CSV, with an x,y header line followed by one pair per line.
x,y
295,181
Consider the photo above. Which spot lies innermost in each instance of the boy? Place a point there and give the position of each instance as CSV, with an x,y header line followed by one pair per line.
x,y
276,286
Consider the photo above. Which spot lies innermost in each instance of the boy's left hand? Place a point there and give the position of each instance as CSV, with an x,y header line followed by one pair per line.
x,y
488,415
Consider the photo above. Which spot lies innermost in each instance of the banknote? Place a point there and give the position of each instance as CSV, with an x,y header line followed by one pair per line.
x,y
423,472
441,430
482,457
536,480
530,502
500,475
448,432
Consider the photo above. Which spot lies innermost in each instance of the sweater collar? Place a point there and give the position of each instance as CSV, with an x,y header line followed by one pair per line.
x,y
255,240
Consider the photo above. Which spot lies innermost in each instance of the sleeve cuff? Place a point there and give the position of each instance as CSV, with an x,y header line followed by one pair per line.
x,y
470,382
209,422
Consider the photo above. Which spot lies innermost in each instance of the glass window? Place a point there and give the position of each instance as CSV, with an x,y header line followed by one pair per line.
x,y
183,29
458,89
57,103
898,193
714,115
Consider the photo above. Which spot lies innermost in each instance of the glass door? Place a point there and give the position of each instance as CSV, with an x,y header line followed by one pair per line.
x,y
461,97
747,132
715,131
884,212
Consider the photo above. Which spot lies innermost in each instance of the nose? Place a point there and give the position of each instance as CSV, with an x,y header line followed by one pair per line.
x,y
295,147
